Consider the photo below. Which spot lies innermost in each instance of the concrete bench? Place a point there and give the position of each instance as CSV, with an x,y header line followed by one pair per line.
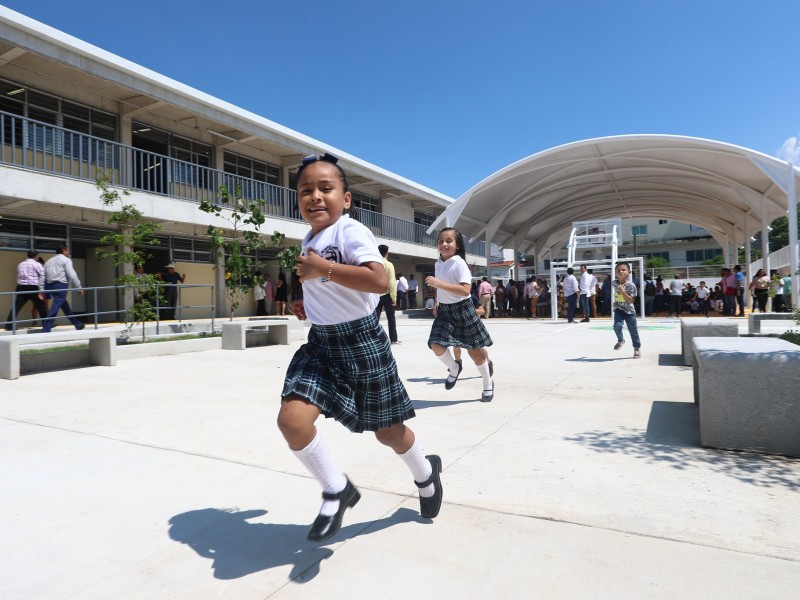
x,y
234,333
754,320
712,327
748,390
102,347
297,328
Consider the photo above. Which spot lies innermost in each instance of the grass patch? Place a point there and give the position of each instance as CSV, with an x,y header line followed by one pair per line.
x,y
171,338
54,349
792,336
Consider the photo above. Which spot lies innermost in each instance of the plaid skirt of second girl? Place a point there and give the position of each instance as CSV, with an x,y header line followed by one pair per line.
x,y
459,325
348,371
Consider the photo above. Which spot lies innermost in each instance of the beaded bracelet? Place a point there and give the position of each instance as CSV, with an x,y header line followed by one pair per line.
x,y
330,271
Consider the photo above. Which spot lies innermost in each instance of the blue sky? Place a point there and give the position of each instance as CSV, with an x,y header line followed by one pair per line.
x,y
446,93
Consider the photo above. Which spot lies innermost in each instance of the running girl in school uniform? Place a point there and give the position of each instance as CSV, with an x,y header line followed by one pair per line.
x,y
456,323
623,293
346,370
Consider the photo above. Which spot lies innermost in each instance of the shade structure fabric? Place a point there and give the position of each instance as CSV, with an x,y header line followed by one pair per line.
x,y
530,205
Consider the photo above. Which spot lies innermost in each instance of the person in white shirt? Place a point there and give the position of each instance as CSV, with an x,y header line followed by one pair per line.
x,y
413,287
346,370
532,291
402,290
59,275
585,289
456,323
571,292
258,296
676,295
592,293
701,294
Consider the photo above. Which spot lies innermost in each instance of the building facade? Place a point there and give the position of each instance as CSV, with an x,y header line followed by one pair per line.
x,y
70,112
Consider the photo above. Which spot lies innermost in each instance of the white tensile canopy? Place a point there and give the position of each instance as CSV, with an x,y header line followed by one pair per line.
x,y
730,191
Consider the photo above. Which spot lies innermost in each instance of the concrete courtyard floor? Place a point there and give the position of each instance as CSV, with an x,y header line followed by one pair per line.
x,y
166,477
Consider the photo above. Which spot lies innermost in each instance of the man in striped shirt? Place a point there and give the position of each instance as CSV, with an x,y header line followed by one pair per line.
x,y
30,282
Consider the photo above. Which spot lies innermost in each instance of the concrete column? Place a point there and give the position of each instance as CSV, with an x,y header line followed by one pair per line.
x,y
793,242
219,285
764,243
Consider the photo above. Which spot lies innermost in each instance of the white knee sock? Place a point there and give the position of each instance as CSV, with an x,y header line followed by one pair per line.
x,y
420,467
487,379
316,458
450,363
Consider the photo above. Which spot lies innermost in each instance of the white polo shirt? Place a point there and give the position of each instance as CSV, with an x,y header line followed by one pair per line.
x,y
453,270
345,242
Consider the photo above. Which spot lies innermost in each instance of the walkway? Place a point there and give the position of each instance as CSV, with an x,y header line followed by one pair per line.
x,y
167,478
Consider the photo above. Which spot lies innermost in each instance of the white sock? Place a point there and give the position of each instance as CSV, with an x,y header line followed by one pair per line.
x,y
487,379
316,458
451,365
420,467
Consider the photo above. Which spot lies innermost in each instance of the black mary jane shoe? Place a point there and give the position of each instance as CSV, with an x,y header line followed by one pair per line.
x,y
448,384
488,395
429,507
326,526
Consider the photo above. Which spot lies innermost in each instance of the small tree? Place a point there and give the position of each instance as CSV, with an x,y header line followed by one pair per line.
x,y
717,259
132,232
657,262
240,272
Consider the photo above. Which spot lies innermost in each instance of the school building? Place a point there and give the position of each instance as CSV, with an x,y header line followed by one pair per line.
x,y
70,110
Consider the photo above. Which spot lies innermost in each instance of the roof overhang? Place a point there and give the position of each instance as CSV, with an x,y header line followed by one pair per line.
x,y
530,205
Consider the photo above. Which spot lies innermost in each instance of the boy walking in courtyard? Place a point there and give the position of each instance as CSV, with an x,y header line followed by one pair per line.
x,y
623,293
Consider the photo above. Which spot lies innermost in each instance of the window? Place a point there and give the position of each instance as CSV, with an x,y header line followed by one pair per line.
x,y
251,176
56,112
15,235
196,154
662,221
423,218
364,202
639,230
251,168
697,228
701,255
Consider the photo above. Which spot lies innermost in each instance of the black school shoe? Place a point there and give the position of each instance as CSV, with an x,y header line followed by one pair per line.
x,y
326,526
429,507
448,385
488,395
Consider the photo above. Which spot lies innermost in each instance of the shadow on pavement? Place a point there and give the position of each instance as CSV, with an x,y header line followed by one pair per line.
x,y
238,547
673,437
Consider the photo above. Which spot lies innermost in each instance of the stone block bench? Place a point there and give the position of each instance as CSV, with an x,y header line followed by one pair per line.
x,y
102,347
297,328
748,390
234,333
754,320
711,327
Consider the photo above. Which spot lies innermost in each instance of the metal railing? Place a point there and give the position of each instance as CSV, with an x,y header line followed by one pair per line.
x,y
93,315
46,148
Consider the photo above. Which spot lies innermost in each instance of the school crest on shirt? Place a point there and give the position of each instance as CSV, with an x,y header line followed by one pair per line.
x,y
331,253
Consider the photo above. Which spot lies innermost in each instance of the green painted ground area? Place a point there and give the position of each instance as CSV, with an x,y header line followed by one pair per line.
x,y
641,327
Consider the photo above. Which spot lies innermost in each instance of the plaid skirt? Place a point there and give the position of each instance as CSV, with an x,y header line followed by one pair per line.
x,y
459,325
348,371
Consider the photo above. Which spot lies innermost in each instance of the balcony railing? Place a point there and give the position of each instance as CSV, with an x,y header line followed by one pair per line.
x,y
45,148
